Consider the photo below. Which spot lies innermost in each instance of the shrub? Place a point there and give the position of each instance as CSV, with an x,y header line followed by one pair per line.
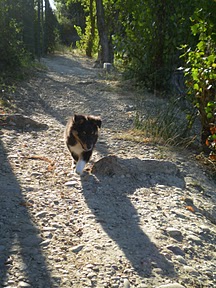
x,y
200,73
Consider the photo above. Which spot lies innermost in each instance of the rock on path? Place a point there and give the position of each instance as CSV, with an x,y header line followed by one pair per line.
x,y
142,215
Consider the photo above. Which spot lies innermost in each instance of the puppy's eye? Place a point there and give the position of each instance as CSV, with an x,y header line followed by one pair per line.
x,y
84,132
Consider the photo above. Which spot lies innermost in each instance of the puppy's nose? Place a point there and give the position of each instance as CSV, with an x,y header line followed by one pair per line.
x,y
89,147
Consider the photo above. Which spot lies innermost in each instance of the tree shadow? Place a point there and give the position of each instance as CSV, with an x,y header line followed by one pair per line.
x,y
118,216
73,82
19,238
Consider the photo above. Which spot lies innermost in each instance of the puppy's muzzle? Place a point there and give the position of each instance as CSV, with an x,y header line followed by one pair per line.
x,y
86,147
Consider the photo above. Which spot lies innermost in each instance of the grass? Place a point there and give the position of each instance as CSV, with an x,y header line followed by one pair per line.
x,y
166,123
134,135
159,121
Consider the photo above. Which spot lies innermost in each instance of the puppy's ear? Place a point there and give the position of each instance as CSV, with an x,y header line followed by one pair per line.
x,y
79,119
96,120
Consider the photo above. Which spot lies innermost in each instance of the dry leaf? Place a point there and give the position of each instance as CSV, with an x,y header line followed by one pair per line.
x,y
190,208
39,157
51,167
212,157
25,204
43,158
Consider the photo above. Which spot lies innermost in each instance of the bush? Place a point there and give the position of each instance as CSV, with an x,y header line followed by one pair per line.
x,y
200,73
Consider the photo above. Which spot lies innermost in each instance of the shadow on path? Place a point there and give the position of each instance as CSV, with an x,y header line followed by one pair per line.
x,y
66,88
70,65
107,197
19,238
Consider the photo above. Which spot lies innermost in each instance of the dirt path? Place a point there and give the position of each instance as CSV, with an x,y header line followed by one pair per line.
x,y
145,216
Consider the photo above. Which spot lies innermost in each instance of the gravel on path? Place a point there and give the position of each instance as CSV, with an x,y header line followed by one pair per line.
x,y
142,215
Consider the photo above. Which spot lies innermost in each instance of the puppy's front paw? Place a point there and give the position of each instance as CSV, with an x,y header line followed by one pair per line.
x,y
80,166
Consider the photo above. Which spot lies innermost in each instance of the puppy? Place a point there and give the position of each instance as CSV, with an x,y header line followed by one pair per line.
x,y
81,135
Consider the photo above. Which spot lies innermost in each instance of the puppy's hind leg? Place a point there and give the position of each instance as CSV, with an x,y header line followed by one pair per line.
x,y
74,159
73,165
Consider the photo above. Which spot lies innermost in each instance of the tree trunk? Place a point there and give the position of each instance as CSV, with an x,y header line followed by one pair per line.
x,y
46,27
104,54
206,123
158,45
89,47
38,28
28,14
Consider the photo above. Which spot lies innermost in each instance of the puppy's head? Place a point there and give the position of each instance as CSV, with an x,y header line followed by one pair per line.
x,y
86,120
85,130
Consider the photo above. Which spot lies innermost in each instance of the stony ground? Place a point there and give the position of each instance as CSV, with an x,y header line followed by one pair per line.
x,y
142,215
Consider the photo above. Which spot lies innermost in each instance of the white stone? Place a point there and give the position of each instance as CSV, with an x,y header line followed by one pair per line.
x,y
77,248
173,232
71,183
171,285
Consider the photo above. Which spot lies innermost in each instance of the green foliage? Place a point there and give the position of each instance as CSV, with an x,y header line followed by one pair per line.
x,y
147,38
89,42
10,55
200,72
88,31
19,41
13,55
71,15
144,35
51,29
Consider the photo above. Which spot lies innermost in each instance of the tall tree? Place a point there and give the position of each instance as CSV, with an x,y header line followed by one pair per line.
x,y
90,42
104,54
38,28
46,26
